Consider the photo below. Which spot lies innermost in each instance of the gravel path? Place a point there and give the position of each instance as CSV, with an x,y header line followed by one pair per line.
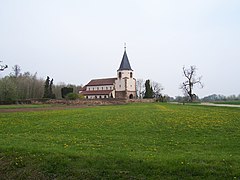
x,y
220,105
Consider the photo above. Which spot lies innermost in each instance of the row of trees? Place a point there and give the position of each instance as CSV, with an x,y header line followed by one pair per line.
x,y
21,85
153,89
25,85
218,97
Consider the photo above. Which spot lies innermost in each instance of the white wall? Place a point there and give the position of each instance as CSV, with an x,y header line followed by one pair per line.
x,y
120,83
97,97
99,88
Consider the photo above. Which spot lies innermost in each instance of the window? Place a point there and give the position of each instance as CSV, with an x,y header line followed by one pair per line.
x,y
131,74
102,88
106,88
119,75
120,85
93,89
97,88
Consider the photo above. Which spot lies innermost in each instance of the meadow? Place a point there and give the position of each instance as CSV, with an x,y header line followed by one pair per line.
x,y
133,141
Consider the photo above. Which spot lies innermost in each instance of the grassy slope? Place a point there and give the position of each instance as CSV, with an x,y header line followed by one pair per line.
x,y
127,141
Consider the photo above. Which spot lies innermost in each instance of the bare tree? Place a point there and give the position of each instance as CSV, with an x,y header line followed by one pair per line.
x,y
157,88
16,70
140,88
2,67
192,80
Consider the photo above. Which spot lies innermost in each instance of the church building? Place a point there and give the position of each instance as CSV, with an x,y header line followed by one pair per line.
x,y
123,86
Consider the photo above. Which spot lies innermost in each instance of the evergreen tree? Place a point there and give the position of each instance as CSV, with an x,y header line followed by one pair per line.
x,y
148,90
47,88
48,92
50,89
65,91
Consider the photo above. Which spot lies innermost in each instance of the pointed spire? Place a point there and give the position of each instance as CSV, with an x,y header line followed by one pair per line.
x,y
125,65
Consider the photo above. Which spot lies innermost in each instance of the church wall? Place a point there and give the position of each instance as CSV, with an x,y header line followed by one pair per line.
x,y
120,94
125,73
96,88
97,97
120,82
120,85
131,85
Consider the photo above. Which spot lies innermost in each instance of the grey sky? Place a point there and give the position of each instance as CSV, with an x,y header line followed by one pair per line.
x,y
74,41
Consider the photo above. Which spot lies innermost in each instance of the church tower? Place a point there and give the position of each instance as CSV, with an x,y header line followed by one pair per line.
x,y
125,84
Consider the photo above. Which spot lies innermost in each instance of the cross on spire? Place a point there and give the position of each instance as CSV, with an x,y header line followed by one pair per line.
x,y
125,65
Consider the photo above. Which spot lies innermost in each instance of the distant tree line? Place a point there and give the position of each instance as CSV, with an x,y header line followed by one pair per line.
x,y
210,98
218,97
21,86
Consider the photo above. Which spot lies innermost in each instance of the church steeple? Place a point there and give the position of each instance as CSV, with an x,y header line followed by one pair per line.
x,y
125,83
125,65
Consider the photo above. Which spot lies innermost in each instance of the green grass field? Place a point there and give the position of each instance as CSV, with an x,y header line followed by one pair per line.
x,y
134,141
20,106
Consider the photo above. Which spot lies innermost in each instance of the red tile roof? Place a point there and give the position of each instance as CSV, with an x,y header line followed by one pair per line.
x,y
101,82
103,92
83,88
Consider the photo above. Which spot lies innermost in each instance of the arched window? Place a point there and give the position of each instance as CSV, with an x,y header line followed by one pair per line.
x,y
131,74
119,75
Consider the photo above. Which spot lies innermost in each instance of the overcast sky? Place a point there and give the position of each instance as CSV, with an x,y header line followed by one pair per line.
x,y
74,41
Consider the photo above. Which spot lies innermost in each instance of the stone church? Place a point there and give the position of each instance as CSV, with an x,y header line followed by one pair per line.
x,y
123,86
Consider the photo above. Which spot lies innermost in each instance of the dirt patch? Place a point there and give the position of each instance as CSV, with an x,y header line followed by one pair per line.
x,y
41,109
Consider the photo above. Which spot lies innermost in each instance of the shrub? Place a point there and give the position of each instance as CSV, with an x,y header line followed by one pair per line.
x,y
65,91
72,96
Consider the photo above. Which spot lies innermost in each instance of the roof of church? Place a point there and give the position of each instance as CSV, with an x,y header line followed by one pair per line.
x,y
125,65
101,82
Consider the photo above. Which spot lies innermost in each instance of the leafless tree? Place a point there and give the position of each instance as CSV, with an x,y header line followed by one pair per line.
x,y
192,80
140,87
157,88
16,70
2,67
